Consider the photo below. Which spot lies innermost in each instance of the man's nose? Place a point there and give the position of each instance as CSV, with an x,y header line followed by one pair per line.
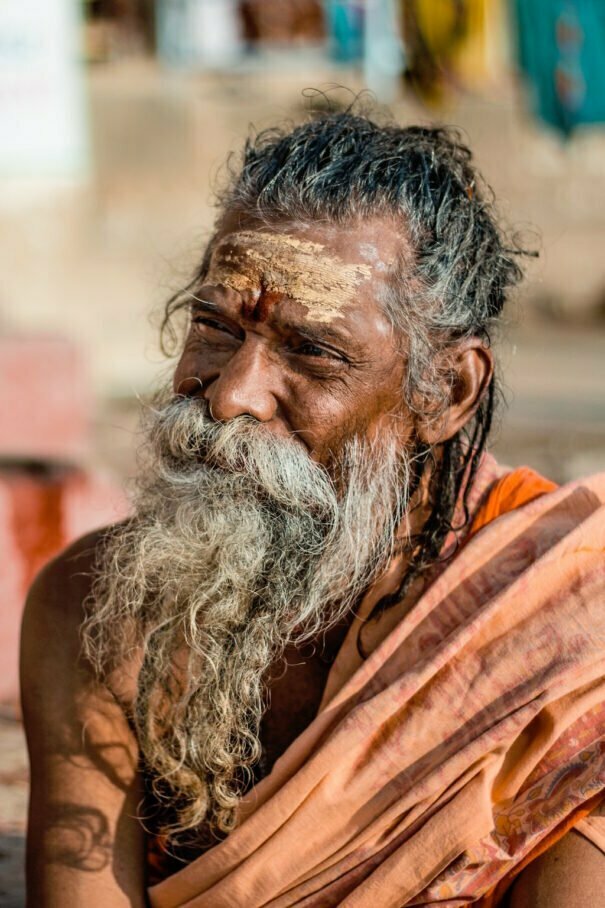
x,y
244,385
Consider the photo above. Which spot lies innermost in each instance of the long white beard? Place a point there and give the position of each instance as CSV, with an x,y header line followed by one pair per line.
x,y
240,545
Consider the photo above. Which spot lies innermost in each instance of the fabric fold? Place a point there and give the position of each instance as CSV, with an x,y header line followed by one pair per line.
x,y
475,727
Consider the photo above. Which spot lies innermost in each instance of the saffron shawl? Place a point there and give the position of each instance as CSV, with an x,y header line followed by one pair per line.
x,y
469,740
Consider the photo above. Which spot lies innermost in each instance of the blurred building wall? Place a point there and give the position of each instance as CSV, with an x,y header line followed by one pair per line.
x,y
88,255
90,260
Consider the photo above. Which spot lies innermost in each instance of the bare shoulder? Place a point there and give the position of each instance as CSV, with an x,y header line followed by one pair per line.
x,y
85,845
61,587
54,610
51,659
571,874
53,617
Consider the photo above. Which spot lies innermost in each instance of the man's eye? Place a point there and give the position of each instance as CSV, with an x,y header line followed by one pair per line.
x,y
205,322
309,349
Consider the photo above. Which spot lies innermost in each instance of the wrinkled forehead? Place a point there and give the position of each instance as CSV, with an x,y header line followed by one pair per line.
x,y
324,271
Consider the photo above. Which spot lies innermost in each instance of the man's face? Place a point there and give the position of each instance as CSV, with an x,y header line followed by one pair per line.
x,y
288,327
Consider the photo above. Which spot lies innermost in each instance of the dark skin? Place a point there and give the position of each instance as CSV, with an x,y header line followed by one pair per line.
x,y
318,376
257,353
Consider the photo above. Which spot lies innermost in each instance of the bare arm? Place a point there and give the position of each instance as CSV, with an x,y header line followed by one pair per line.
x,y
571,874
85,846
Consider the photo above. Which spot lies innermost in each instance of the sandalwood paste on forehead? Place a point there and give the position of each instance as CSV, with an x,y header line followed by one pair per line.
x,y
286,265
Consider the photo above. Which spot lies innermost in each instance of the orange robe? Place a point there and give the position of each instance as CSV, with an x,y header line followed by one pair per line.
x,y
470,739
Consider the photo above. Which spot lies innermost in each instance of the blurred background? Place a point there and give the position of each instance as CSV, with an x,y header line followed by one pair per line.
x,y
115,119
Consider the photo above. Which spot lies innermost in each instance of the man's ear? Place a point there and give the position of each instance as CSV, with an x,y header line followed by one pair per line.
x,y
471,367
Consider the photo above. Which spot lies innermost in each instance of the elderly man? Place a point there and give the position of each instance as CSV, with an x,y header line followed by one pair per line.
x,y
337,656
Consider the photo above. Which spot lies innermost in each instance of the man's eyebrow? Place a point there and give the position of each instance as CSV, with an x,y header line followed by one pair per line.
x,y
313,332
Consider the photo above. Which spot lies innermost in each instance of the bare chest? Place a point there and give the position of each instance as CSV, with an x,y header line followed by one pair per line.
x,y
295,690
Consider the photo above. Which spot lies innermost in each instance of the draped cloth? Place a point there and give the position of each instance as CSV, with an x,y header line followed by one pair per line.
x,y
469,740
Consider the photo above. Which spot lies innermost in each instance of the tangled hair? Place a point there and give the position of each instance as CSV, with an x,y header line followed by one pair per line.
x,y
452,283
241,545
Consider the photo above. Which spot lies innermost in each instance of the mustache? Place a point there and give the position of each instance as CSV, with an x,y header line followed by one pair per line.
x,y
188,443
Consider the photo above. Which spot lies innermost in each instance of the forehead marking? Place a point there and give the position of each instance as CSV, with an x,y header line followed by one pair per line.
x,y
281,264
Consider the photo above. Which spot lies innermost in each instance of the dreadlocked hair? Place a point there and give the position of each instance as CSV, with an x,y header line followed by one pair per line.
x,y
455,272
